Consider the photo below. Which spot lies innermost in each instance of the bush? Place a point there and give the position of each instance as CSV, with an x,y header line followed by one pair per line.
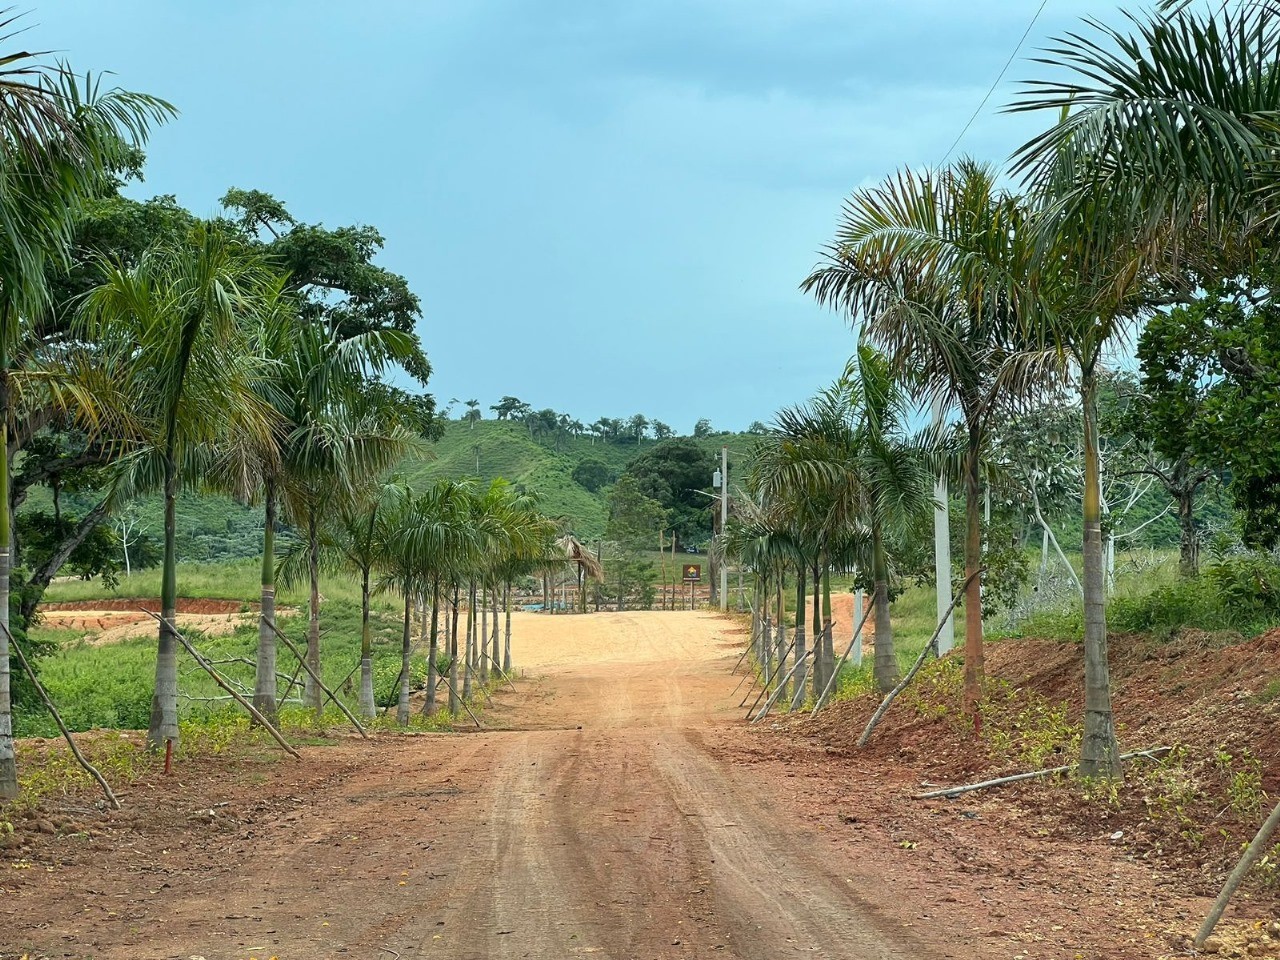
x,y
1240,594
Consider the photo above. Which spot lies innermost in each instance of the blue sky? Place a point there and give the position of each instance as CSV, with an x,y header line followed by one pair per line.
x,y
605,207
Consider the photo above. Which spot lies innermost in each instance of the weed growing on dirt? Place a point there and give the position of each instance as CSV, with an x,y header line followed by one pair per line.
x,y
54,772
1017,725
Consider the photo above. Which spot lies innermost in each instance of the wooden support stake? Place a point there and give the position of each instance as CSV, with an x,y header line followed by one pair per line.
x,y
1257,847
57,718
767,680
445,678
1152,754
931,646
768,704
217,678
857,638
320,683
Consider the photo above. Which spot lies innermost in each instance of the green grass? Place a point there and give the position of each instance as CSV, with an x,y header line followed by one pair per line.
x,y
110,685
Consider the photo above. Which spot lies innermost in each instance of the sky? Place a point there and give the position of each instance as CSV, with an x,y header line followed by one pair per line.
x,y
606,207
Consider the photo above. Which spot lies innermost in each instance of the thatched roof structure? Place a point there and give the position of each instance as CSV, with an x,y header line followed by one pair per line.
x,y
576,552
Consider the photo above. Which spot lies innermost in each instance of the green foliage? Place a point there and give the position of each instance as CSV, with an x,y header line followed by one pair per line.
x,y
97,556
1213,371
676,473
1239,594
635,520
592,474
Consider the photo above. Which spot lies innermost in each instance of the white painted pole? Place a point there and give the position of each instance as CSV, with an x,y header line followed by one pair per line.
x,y
857,620
942,550
724,522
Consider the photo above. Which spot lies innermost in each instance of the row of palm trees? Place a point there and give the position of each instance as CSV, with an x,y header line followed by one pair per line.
x,y
842,483
1158,176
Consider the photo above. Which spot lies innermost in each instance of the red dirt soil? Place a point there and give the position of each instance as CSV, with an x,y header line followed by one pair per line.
x,y
623,810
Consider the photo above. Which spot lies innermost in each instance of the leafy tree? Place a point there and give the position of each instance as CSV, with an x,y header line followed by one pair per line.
x,y
508,408
333,273
637,426
592,474
677,473
1212,372
702,429
662,431
635,520
758,429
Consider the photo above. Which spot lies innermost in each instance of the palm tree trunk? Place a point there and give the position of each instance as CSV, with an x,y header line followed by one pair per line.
x,y
886,665
496,653
1099,751
264,681
433,678
454,706
819,635
311,695
367,707
406,644
482,645
506,649
781,607
802,672
828,641
974,668
164,701
471,641
8,755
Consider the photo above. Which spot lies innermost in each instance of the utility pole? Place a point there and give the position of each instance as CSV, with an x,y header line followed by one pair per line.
x,y
721,480
942,547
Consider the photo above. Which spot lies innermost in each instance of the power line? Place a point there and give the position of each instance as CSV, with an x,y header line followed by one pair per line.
x,y
1003,70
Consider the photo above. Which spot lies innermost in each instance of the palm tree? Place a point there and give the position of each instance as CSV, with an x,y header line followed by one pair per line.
x,y
932,267
183,316
849,457
60,139
336,452
424,542
1157,163
333,432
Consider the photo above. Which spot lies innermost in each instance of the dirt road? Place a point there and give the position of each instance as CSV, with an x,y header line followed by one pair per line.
x,y
599,823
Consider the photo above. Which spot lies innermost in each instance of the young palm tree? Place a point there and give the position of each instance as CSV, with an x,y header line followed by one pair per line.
x,y
60,139
183,316
1157,162
424,541
332,433
849,452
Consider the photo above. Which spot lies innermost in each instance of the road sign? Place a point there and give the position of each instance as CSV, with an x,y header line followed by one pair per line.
x,y
692,572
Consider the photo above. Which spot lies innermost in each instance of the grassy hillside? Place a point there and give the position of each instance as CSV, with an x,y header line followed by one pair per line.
x,y
501,448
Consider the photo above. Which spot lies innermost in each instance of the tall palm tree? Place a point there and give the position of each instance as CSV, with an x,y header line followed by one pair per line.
x,y
933,267
60,140
183,317
1162,159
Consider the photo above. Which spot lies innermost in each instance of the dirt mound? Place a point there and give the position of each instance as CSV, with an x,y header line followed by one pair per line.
x,y
134,604
117,619
1215,702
